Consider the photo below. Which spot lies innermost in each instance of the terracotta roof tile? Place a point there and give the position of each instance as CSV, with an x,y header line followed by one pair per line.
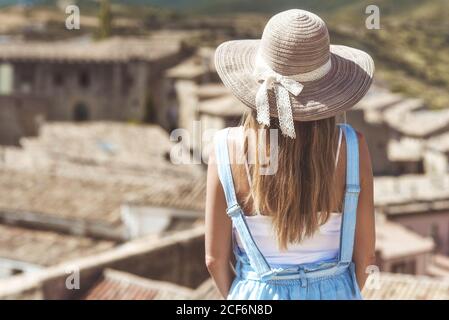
x,y
117,285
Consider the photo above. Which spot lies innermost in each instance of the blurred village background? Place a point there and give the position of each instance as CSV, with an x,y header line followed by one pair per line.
x,y
86,181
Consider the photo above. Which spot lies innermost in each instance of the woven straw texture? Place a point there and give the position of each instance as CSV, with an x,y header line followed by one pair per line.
x,y
296,42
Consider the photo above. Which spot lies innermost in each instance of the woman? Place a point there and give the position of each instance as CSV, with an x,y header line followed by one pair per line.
x,y
304,227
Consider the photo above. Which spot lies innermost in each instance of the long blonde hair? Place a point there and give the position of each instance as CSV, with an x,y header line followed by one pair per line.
x,y
300,195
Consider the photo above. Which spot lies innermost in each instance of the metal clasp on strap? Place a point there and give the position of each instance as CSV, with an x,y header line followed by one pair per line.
x,y
352,188
233,210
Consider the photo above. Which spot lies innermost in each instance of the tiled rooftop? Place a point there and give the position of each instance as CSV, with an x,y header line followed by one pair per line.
x,y
115,49
88,170
59,196
116,285
439,142
194,67
405,149
225,106
188,196
395,241
45,248
407,287
408,189
211,90
378,99
418,123
189,69
408,116
108,144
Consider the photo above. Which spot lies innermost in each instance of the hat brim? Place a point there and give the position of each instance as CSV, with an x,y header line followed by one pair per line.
x,y
341,88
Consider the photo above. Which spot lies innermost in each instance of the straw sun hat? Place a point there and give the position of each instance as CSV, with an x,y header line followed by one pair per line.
x,y
293,72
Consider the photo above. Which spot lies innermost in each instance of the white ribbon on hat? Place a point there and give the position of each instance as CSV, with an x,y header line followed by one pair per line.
x,y
282,86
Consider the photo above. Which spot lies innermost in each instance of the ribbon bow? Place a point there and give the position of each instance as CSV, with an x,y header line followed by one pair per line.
x,y
282,86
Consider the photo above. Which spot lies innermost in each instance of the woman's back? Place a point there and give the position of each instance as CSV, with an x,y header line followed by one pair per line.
x,y
325,279
322,246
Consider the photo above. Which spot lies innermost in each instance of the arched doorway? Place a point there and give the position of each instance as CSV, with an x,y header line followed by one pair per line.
x,y
81,112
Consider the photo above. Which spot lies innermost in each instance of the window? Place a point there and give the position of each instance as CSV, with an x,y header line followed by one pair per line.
x,y
127,83
84,80
58,80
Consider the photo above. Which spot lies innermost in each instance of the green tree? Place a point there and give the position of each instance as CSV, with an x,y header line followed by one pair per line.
x,y
105,19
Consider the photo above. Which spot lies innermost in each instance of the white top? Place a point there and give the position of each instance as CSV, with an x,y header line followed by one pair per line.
x,y
323,245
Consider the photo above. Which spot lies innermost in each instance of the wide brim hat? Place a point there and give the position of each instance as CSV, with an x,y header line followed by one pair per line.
x,y
295,45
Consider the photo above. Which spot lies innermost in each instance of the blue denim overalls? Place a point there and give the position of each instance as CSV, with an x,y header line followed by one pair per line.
x,y
256,279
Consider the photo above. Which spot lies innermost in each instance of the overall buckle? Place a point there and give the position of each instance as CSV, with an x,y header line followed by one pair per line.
x,y
352,188
268,275
233,210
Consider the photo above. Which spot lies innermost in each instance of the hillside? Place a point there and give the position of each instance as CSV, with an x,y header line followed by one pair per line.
x,y
411,49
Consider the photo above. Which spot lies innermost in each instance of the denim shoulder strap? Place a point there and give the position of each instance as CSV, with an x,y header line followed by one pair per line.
x,y
234,211
351,195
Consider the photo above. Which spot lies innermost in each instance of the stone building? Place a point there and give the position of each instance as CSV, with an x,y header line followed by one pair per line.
x,y
183,81
114,79
399,250
403,135
418,202
369,117
201,102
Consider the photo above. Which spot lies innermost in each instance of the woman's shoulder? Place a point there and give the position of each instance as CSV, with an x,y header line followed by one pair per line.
x,y
360,136
363,145
364,156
